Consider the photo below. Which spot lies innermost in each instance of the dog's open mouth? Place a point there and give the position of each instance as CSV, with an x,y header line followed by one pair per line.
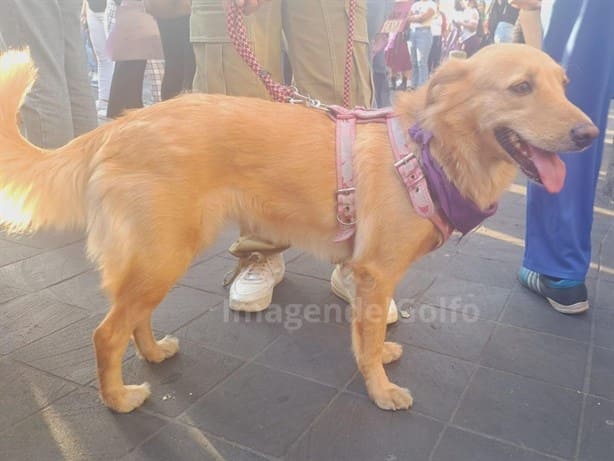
x,y
541,166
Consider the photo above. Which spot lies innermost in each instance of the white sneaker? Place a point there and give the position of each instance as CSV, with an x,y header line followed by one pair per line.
x,y
252,289
343,286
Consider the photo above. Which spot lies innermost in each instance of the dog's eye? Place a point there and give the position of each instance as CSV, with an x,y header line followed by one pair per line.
x,y
522,88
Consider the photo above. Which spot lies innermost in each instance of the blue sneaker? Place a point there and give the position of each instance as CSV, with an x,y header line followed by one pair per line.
x,y
565,296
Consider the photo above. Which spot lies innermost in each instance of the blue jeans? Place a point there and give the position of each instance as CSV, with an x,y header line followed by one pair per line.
x,y
420,42
504,33
60,105
558,230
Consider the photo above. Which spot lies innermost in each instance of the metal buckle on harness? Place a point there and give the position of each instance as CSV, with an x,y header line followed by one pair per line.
x,y
409,177
341,194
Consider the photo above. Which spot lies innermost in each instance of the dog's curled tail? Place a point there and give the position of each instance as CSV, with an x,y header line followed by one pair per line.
x,y
38,188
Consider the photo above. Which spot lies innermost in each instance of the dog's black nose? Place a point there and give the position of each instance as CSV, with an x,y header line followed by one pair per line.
x,y
583,135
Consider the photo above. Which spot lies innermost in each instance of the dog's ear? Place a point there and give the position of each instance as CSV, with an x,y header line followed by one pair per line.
x,y
454,70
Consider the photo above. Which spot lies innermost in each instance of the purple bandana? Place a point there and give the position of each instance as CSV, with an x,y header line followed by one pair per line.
x,y
462,213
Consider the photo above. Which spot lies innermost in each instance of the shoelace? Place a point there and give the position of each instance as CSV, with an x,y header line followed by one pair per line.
x,y
257,267
256,264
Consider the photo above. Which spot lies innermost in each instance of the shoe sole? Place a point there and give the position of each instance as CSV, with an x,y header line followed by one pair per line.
x,y
391,317
576,308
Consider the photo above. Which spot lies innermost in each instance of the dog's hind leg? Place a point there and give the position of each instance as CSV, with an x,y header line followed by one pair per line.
x,y
368,334
135,292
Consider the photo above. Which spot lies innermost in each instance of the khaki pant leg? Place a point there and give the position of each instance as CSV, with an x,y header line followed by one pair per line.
x,y
219,68
316,31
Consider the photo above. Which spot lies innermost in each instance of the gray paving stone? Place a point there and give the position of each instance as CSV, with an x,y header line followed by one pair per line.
x,y
45,269
260,408
605,295
44,240
413,286
25,391
437,260
181,380
315,351
482,270
67,353
11,252
182,305
457,294
604,328
354,429
443,331
239,334
77,427
7,293
304,291
556,360
457,445
436,381
529,310
32,317
308,265
83,291
209,275
522,411
602,373
597,441
177,442
491,248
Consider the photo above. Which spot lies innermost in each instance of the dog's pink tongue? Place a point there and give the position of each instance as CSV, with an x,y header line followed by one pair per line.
x,y
550,167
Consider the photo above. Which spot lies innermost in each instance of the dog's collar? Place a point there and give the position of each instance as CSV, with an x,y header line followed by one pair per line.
x,y
462,213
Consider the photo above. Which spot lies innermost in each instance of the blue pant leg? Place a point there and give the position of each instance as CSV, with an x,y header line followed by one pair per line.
x,y
558,241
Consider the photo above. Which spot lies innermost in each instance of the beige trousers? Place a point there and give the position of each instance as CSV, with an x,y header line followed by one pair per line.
x,y
316,34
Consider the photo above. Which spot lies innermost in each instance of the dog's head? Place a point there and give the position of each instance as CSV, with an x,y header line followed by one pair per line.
x,y
512,99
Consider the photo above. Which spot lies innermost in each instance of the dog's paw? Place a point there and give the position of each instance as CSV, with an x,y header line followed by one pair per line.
x,y
128,398
392,352
165,348
393,398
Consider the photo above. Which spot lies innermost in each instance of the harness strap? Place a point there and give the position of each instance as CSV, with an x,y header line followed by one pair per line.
x,y
346,192
411,174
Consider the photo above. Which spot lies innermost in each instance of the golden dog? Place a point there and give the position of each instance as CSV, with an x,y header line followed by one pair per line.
x,y
154,187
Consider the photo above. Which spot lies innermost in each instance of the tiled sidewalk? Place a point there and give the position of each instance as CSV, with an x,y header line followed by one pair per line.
x,y
495,373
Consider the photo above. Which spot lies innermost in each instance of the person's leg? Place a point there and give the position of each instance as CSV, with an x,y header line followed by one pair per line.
x,y
98,36
558,229
152,84
219,68
317,39
413,52
424,41
46,113
435,54
171,34
126,87
82,100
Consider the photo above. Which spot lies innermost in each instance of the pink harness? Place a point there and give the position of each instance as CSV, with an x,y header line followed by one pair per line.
x,y
406,163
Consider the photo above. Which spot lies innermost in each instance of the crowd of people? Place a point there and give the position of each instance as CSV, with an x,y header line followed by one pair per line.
x,y
396,45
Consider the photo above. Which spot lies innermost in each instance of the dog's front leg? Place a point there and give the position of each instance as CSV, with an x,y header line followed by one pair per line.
x,y
369,309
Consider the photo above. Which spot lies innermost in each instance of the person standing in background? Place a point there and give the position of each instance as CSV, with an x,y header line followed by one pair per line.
x,y
420,39
501,20
377,12
579,35
438,29
316,34
61,103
